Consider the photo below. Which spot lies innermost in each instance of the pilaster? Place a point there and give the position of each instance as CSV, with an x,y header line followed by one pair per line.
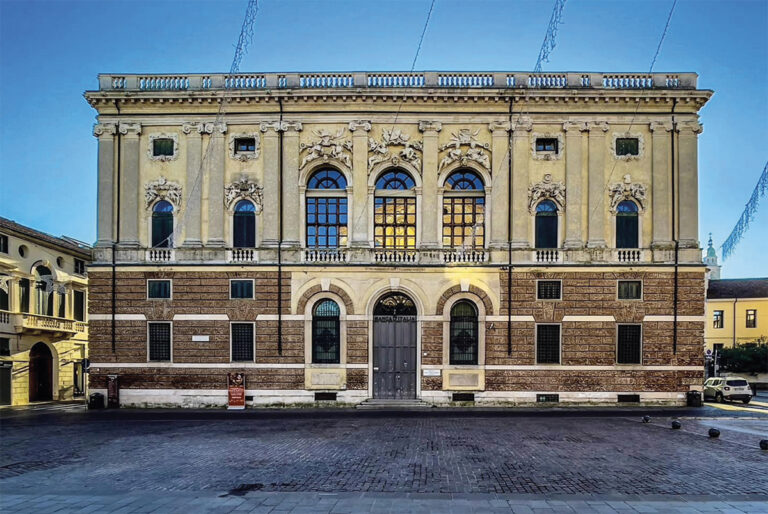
x,y
106,185
271,186
291,214
499,184
661,191
573,171
358,210
428,213
597,185
129,185
215,173
194,186
688,180
521,155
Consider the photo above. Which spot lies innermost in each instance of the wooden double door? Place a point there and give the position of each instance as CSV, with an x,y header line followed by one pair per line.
x,y
394,348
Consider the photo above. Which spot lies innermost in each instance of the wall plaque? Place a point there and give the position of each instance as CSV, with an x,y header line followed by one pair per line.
x,y
431,372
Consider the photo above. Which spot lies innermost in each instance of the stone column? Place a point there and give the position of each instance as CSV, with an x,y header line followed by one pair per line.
x,y
291,215
106,201
271,190
215,172
573,204
359,210
194,185
661,190
521,156
430,225
499,214
130,191
597,186
688,184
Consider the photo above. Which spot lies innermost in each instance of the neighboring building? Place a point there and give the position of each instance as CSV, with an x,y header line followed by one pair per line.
x,y
737,312
713,268
43,315
502,237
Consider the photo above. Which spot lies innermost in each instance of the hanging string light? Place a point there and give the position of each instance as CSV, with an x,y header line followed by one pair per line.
x,y
746,217
549,39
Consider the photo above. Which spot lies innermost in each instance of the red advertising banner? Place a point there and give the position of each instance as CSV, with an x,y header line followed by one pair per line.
x,y
236,390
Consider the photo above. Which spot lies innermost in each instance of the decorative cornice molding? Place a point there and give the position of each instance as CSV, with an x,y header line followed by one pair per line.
x,y
243,189
163,135
548,189
130,129
162,189
244,156
394,137
627,190
430,126
693,126
476,151
548,156
660,126
575,126
190,127
327,146
362,125
104,129
640,146
499,126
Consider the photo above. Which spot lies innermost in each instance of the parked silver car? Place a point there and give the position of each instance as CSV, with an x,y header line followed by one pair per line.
x,y
727,388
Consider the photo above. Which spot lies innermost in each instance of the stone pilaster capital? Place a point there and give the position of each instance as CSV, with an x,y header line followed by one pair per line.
x,y
521,127
291,126
280,126
690,126
104,129
191,127
130,129
660,127
266,126
430,126
215,129
362,125
574,127
499,127
597,128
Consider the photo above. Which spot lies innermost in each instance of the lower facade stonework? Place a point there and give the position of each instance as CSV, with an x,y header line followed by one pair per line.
x,y
573,335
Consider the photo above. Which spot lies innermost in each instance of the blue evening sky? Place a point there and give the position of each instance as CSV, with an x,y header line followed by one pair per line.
x,y
51,51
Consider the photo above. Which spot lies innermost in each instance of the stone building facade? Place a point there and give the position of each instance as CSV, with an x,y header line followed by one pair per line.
x,y
502,238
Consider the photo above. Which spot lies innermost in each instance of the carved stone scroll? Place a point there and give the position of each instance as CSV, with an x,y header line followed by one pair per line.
x,y
243,189
327,146
162,189
395,137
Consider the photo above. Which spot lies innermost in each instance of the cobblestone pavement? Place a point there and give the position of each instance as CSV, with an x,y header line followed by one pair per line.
x,y
291,462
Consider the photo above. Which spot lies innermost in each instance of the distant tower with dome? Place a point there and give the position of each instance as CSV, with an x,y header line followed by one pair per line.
x,y
711,261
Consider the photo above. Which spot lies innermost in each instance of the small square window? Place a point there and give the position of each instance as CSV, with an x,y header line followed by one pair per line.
x,y
245,144
548,290
162,147
546,144
627,146
630,290
241,289
3,244
628,348
718,319
751,318
79,267
159,289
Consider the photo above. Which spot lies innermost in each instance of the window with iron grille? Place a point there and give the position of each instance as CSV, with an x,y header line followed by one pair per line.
x,y
751,318
627,146
242,341
158,289
326,336
79,267
628,350
548,344
548,290
630,289
160,341
78,307
718,320
463,333
3,244
241,289
394,211
546,144
464,210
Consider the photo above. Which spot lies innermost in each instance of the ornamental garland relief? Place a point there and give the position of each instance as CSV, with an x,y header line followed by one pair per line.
x,y
162,189
546,189
627,191
163,158
395,137
477,151
243,189
244,156
327,146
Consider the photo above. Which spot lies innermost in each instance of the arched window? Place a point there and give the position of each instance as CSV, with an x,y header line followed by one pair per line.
x,y
244,225
394,211
326,333
326,209
463,333
44,288
626,225
464,211
546,224
162,225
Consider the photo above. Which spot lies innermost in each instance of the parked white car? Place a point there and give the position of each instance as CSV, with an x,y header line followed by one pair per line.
x,y
727,388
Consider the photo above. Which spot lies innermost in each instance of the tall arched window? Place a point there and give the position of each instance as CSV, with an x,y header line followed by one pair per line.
x,y
394,211
464,211
162,225
463,333
546,224
326,333
244,225
326,209
44,289
626,225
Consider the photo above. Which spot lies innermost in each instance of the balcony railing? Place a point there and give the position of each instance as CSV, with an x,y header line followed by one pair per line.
x,y
81,326
5,317
396,79
395,256
242,255
161,255
549,256
337,255
48,323
451,256
628,255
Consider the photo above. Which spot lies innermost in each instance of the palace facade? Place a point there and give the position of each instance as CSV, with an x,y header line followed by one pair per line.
x,y
502,238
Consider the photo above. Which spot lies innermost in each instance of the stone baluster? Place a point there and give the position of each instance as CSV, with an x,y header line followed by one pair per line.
x,y
194,186
499,186
358,209
428,211
215,173
597,185
106,185
661,190
130,192
573,169
521,155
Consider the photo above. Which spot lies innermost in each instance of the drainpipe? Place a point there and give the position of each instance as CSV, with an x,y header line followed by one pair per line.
x,y
509,231
117,233
674,232
734,322
280,232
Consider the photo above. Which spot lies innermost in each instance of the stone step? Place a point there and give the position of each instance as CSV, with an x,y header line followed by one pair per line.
x,y
403,404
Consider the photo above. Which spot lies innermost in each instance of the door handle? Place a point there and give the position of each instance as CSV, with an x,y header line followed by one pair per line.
x,y
375,368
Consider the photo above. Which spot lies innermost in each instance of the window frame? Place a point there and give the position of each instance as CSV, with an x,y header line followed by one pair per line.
x,y
718,322
560,345
638,243
242,215
253,288
476,310
474,197
75,292
396,196
753,320
618,289
626,138
544,150
560,297
79,267
170,341
315,305
640,350
169,240
235,149
5,244
556,215
170,288
253,340
155,142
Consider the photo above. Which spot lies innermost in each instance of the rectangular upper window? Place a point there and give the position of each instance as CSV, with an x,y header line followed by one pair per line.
x,y
159,289
630,290
245,144
79,267
751,318
627,146
241,289
162,147
718,319
546,144
3,244
628,347
242,341
159,341
548,344
548,290
5,346
78,308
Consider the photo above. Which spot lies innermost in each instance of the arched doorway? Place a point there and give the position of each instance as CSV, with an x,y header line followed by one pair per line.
x,y
394,347
40,373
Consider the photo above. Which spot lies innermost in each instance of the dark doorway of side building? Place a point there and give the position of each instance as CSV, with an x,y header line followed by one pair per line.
x,y
394,347
40,373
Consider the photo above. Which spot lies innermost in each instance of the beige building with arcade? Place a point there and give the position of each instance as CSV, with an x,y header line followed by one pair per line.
x,y
501,238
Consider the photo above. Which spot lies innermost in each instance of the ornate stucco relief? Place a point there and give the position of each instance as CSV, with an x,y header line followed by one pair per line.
x,y
327,146
548,189
363,125
243,189
477,151
244,156
640,146
394,137
163,135
625,191
162,189
548,156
